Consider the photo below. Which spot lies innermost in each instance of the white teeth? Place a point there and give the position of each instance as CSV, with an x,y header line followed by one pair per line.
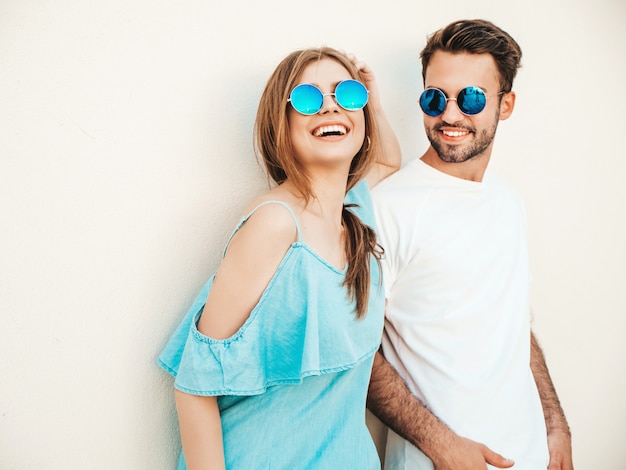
x,y
330,130
455,133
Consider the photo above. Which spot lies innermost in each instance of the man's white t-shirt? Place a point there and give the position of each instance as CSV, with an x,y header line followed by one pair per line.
x,y
457,324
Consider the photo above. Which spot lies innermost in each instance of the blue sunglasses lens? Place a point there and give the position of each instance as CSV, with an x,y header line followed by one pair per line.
x,y
470,100
351,95
433,102
307,99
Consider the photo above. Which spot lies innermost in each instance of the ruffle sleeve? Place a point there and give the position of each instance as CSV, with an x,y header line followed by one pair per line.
x,y
303,325
294,332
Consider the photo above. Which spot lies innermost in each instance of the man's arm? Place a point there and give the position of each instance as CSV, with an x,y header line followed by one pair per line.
x,y
559,436
392,402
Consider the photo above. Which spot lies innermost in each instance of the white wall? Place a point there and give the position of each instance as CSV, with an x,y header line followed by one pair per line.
x,y
125,160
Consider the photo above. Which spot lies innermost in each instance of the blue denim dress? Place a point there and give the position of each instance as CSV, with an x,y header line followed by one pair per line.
x,y
292,382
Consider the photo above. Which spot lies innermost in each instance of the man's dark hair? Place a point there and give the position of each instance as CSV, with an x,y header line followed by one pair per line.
x,y
477,37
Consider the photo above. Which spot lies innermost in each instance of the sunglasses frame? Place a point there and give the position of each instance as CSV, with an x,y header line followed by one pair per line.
x,y
445,96
324,95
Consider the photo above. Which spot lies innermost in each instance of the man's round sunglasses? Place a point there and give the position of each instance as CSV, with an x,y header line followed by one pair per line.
x,y
470,100
308,99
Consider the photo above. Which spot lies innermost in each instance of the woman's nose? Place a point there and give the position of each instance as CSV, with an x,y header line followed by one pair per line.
x,y
329,103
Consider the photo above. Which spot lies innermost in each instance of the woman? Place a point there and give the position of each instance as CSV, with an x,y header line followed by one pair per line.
x,y
272,362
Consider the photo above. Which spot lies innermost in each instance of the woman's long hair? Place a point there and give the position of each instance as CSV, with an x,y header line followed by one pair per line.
x,y
273,146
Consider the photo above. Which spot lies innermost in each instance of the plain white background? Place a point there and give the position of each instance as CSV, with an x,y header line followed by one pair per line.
x,y
126,159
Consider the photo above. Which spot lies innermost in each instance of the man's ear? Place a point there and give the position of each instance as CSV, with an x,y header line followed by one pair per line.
x,y
506,105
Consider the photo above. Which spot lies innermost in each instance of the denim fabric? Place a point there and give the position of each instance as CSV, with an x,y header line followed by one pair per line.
x,y
291,383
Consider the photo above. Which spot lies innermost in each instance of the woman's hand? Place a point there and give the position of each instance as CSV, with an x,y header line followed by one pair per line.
x,y
369,80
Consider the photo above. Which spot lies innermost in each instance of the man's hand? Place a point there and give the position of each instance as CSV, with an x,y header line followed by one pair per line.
x,y
465,454
560,448
390,399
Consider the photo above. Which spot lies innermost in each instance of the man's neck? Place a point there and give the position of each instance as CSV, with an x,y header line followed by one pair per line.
x,y
472,169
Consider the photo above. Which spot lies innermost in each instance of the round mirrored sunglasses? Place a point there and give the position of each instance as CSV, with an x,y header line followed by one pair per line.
x,y
308,99
471,100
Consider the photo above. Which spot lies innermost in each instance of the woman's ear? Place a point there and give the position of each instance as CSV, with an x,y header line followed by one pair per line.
x,y
506,105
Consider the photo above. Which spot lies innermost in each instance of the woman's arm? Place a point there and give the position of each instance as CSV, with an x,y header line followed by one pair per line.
x,y
200,431
390,159
250,262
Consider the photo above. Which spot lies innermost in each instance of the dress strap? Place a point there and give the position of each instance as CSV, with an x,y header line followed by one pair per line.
x,y
245,218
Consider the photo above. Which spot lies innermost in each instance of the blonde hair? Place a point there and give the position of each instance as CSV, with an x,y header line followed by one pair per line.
x,y
273,146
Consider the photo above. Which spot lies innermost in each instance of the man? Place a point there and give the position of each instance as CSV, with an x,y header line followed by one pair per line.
x,y
465,385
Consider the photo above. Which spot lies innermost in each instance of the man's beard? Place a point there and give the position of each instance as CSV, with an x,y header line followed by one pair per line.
x,y
461,153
